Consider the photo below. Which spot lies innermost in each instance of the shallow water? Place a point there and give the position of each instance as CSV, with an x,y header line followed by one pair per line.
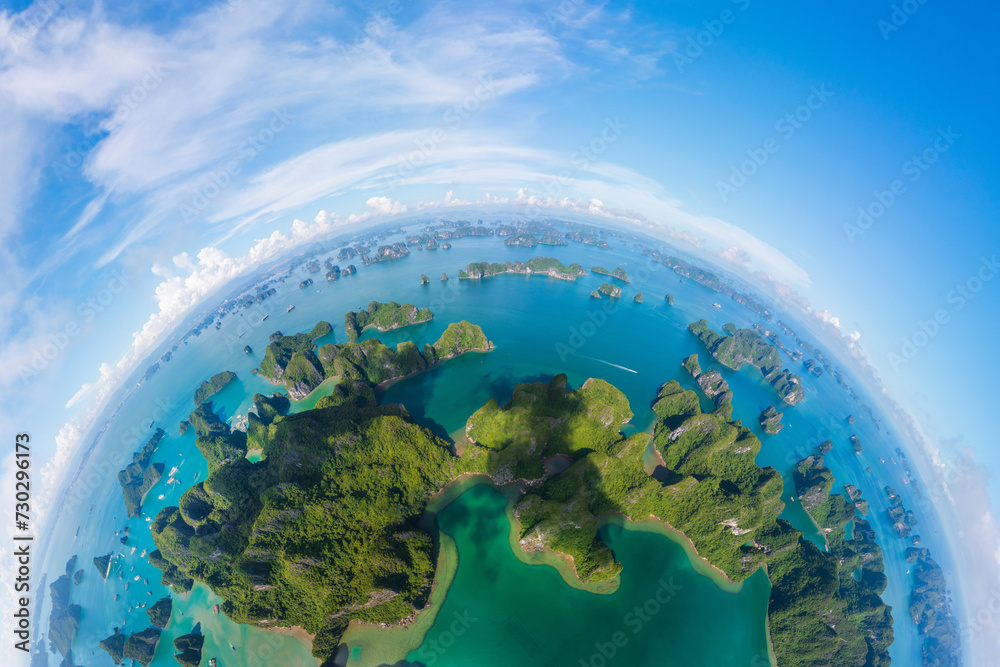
x,y
502,611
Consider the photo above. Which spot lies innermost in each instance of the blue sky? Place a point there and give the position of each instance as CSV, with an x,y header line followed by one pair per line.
x,y
159,152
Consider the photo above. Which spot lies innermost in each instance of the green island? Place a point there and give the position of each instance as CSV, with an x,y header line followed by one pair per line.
x,y
213,386
291,360
669,299
325,530
424,280
638,297
618,273
930,599
747,346
141,646
613,291
115,646
523,240
385,316
930,609
537,266
190,646
770,420
64,616
529,240
813,483
159,613
139,476
712,384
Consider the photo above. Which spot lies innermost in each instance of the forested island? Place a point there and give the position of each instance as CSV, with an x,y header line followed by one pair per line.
x,y
770,420
284,543
747,346
538,265
385,316
618,273
212,386
64,616
139,476
613,291
260,534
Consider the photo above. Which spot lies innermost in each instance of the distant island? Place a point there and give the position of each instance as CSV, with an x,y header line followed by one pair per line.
x,y
746,346
618,273
385,316
139,476
537,266
213,386
613,291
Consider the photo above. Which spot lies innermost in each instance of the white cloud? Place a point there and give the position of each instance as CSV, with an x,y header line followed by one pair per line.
x,y
735,255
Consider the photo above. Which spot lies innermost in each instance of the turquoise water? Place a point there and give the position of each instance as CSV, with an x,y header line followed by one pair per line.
x,y
501,611
541,327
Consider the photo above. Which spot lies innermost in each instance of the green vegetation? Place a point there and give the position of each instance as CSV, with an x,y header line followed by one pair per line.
x,y
618,273
856,444
638,297
385,316
103,565
813,483
523,240
747,346
930,609
64,617
692,366
115,646
141,646
190,649
139,476
324,529
670,299
770,420
594,294
213,386
539,265
172,576
613,291
282,349
159,613
424,280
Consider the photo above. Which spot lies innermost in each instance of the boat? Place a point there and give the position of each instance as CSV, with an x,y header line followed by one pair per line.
x,y
881,459
215,609
716,305
265,317
212,663
290,308
893,460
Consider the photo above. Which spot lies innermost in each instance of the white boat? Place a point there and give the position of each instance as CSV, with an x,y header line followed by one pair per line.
x,y
290,308
717,305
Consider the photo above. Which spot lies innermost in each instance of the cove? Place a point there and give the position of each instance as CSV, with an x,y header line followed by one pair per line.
x,y
500,610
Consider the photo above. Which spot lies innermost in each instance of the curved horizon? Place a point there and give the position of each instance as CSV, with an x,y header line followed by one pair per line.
x,y
160,157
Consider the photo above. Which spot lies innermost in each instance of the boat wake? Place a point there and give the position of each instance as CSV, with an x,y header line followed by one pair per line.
x,y
611,364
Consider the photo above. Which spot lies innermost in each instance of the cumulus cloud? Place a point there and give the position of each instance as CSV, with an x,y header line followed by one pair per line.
x,y
735,255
